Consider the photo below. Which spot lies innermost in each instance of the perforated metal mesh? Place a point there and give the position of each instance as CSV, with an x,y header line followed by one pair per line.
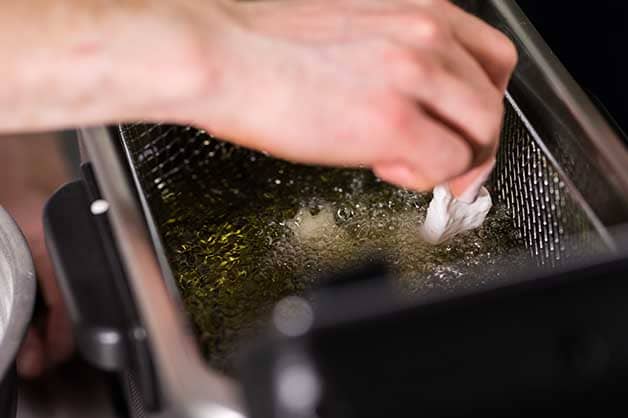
x,y
134,399
165,156
552,222
553,225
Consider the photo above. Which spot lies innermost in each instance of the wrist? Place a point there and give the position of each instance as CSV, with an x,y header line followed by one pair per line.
x,y
102,66
183,58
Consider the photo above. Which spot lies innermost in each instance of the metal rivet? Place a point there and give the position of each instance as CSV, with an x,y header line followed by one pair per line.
x,y
108,338
99,207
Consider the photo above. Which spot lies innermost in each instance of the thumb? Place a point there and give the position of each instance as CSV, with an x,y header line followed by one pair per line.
x,y
467,187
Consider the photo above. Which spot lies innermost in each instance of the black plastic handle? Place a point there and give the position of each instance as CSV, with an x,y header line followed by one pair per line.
x,y
107,328
86,277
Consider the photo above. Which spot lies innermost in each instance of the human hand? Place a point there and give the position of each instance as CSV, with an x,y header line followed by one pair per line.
x,y
412,89
49,340
31,169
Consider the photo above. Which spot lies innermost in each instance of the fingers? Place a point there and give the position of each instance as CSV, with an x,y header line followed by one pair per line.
x,y
467,186
59,341
41,351
474,112
426,154
461,64
434,22
45,271
47,346
31,358
492,49
435,68
479,56
56,336
50,342
410,88
400,174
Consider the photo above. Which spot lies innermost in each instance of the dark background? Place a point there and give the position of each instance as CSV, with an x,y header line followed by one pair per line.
x,y
590,39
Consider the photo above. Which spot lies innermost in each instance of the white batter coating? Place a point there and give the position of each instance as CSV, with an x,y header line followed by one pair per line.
x,y
448,216
318,230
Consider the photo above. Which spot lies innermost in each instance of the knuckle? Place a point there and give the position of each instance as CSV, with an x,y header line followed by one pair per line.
x,y
399,119
392,117
484,121
490,127
410,67
506,52
429,29
423,71
397,55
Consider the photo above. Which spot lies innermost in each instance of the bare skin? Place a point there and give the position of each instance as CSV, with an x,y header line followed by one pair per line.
x,y
31,169
412,89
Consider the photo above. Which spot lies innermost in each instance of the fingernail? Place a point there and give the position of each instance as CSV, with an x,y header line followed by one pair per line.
x,y
471,190
471,193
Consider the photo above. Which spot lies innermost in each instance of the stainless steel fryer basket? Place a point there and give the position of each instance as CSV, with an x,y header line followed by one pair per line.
x,y
553,218
561,173
563,187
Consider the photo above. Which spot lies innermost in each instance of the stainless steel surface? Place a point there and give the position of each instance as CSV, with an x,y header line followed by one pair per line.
x,y
17,289
576,135
189,389
612,154
575,128
555,222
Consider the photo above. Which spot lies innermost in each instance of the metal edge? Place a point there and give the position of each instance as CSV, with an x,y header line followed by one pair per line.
x,y
184,377
585,113
16,257
573,190
187,384
152,228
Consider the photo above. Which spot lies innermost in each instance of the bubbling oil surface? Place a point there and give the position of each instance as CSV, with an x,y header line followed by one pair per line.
x,y
244,230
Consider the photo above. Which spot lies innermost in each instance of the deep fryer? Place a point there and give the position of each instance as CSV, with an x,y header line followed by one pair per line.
x,y
561,173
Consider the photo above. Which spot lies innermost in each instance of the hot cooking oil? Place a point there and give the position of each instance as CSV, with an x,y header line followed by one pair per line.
x,y
243,230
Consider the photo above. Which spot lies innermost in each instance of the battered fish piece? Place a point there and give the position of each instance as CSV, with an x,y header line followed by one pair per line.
x,y
448,216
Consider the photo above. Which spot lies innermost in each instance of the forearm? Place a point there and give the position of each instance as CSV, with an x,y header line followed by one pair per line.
x,y
75,62
412,89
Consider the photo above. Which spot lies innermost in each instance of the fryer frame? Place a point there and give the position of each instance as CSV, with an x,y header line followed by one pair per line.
x,y
189,387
